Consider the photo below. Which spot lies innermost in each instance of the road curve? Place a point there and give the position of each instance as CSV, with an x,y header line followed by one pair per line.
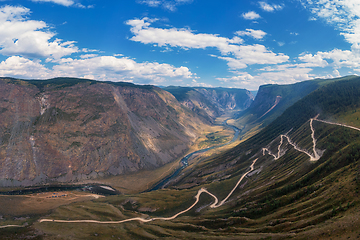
x,y
216,203
7,226
145,220
313,156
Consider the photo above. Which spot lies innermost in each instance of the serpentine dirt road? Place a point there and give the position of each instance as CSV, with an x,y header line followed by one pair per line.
x,y
313,157
197,197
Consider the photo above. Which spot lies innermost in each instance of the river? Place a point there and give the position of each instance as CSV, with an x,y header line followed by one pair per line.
x,y
185,160
96,189
107,190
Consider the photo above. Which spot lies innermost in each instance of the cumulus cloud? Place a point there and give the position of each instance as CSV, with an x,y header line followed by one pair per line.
x,y
338,58
242,55
281,74
34,53
344,15
20,67
312,61
251,15
106,68
120,69
29,38
253,54
270,7
170,5
257,34
174,37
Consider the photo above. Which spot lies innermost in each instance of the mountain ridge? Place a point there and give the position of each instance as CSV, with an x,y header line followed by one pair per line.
x,y
212,102
65,122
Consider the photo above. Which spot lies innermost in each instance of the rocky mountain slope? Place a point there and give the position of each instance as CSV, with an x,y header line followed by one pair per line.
x,y
298,178
306,177
272,100
212,102
71,129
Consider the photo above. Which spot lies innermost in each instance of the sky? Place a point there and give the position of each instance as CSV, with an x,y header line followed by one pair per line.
x,y
206,43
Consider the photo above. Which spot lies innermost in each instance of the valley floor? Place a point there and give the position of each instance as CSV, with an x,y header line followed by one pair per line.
x,y
308,216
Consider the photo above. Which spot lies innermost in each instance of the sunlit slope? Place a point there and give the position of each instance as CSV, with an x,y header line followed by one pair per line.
x,y
272,100
291,193
70,130
212,102
288,192
329,101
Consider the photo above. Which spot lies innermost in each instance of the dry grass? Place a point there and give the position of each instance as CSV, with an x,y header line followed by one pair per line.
x,y
40,203
143,180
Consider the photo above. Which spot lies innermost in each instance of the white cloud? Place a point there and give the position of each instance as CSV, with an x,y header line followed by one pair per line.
x,y
174,37
251,15
23,39
344,14
338,59
106,68
253,54
66,3
270,7
120,69
233,63
88,55
281,74
170,5
336,73
312,61
257,34
29,38
194,83
151,3
20,67
186,39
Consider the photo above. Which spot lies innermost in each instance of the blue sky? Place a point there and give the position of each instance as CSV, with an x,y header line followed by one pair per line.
x,y
209,43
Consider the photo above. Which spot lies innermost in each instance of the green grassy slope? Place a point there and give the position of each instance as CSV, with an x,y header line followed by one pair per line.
x,y
258,116
287,198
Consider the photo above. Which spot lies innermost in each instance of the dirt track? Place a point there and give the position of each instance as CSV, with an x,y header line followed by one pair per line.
x,y
197,197
313,157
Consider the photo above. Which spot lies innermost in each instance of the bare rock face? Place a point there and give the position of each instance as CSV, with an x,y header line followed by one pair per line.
x,y
69,130
212,102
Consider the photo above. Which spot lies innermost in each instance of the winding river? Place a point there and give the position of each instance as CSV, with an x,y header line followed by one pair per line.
x,y
185,160
107,190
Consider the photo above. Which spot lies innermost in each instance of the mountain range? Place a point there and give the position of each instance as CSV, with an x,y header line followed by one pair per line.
x,y
69,130
292,174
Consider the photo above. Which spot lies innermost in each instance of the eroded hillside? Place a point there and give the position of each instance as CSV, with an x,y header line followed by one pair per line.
x,y
212,102
71,129
298,178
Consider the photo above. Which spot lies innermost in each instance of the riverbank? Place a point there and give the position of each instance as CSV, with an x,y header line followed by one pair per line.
x,y
185,160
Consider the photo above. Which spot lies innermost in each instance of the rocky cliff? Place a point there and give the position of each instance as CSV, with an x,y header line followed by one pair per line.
x,y
212,102
72,129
